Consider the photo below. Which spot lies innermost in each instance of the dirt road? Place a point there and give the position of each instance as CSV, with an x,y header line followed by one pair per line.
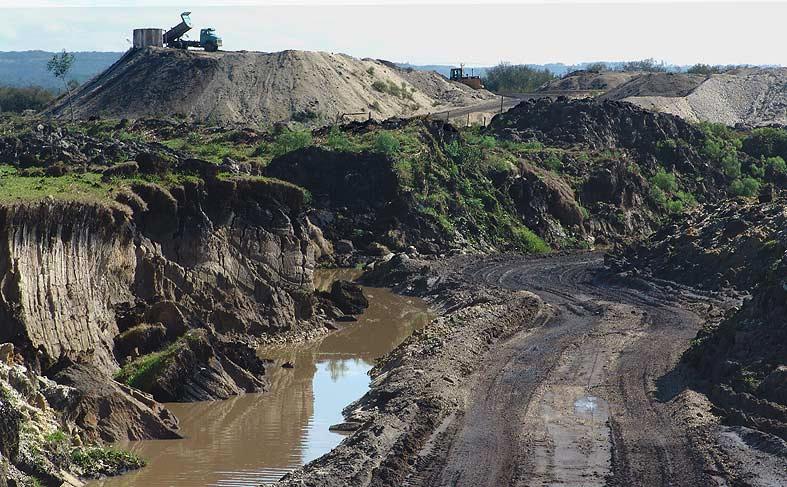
x,y
576,387
584,399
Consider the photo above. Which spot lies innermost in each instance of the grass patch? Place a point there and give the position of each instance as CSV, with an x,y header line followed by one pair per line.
x,y
140,372
99,461
528,241
84,186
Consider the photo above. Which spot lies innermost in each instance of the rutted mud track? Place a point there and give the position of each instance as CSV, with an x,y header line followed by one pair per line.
x,y
575,402
576,386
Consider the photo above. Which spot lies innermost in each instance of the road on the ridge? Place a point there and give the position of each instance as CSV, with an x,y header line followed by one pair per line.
x,y
578,401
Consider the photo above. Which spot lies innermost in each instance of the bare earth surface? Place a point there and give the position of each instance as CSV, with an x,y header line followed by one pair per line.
x,y
258,87
586,399
583,392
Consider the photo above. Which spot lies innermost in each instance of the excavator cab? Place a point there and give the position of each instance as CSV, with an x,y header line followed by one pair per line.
x,y
209,40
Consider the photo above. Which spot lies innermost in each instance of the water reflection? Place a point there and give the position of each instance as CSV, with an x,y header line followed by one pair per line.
x,y
259,437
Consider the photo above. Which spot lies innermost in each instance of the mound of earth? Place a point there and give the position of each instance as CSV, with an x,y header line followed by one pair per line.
x,y
588,81
256,87
656,84
750,97
742,361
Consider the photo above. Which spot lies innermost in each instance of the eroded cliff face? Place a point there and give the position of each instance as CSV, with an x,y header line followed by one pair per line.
x,y
233,255
64,265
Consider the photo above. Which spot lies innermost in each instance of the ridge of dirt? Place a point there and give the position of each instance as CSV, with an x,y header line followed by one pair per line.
x,y
589,80
261,88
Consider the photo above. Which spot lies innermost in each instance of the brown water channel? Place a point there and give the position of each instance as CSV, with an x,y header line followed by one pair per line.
x,y
258,438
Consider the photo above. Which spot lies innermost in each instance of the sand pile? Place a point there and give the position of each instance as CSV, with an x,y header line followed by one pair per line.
x,y
255,87
751,97
588,81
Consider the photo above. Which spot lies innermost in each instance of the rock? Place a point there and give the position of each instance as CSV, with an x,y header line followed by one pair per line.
x,y
6,353
377,249
57,169
205,169
152,163
124,169
346,426
288,365
344,247
348,297
169,315
346,319
202,367
10,423
106,411
774,386
230,165
766,194
140,339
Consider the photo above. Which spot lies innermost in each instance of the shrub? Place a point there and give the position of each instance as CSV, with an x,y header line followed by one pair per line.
x,y
526,240
598,67
766,142
339,141
487,142
97,461
20,99
664,181
553,162
658,196
731,165
775,166
745,187
674,207
386,144
291,140
648,65
520,78
705,69
379,86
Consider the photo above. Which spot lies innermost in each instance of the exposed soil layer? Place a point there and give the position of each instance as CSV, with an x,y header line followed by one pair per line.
x,y
575,386
255,87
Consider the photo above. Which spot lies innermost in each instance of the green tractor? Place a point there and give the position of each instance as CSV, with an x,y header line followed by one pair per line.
x,y
208,39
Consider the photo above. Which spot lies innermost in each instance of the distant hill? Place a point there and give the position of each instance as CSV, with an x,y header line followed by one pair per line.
x,y
28,68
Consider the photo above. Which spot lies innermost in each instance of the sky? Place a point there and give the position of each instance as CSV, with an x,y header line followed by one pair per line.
x,y
442,32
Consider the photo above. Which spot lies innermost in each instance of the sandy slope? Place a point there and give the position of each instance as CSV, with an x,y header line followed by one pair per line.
x,y
255,87
751,97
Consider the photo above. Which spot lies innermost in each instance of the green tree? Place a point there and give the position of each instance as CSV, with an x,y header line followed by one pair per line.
x,y
21,99
60,65
597,67
516,78
705,69
647,65
386,144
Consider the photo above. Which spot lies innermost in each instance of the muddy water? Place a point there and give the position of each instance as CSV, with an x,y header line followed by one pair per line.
x,y
259,437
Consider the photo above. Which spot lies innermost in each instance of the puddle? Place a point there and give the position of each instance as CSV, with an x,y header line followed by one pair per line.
x,y
257,438
586,406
